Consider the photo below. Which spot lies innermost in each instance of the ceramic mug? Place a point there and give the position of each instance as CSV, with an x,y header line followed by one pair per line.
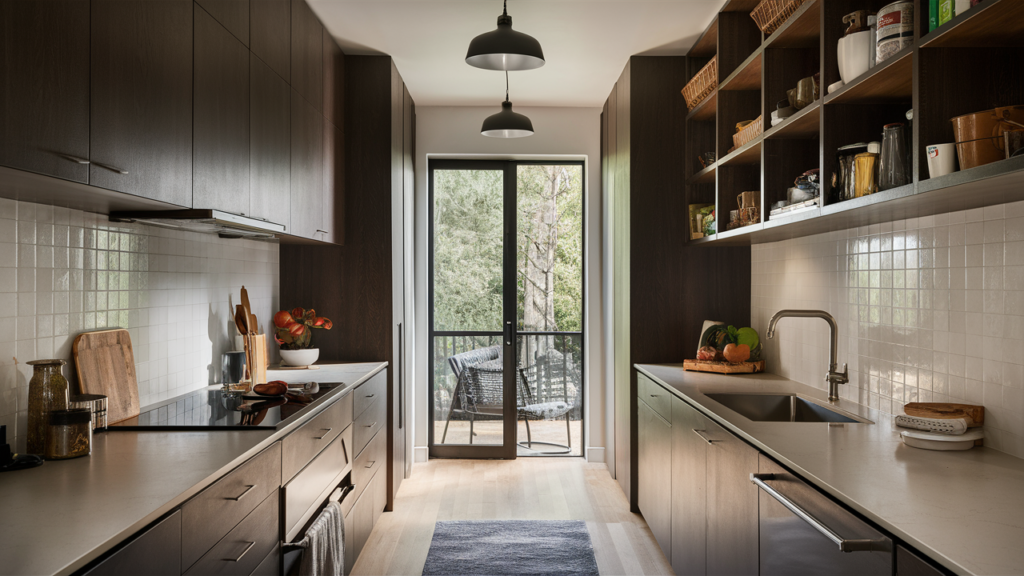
x,y
940,159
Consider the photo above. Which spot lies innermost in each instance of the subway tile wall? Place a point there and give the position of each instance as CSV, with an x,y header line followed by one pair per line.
x,y
64,272
929,309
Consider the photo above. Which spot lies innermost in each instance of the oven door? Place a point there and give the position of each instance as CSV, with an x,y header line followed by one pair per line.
x,y
803,532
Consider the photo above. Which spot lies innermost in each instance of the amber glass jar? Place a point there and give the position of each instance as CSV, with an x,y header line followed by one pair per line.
x,y
47,391
70,434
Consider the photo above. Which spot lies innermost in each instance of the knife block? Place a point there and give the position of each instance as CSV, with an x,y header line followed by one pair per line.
x,y
256,358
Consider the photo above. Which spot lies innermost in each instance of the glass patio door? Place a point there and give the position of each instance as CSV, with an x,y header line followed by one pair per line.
x,y
506,308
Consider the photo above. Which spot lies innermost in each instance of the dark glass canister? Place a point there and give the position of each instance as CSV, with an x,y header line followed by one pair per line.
x,y
70,434
47,391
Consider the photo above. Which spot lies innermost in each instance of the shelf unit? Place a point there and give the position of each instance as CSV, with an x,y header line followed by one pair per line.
x,y
968,65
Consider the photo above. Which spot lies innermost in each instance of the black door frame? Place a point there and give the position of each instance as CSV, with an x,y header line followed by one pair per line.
x,y
510,319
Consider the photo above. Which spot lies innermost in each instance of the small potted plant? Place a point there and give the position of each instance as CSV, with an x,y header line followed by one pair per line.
x,y
293,331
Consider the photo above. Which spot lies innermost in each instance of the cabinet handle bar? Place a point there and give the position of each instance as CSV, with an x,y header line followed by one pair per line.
x,y
242,495
703,437
325,431
247,548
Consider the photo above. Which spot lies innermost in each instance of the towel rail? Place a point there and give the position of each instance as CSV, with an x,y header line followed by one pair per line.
x,y
337,495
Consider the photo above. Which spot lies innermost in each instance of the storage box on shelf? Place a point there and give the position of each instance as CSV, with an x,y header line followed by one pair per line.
x,y
771,14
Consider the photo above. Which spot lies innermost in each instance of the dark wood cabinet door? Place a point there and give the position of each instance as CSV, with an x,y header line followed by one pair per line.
x,y
307,54
732,532
654,461
334,82
232,15
141,120
333,209
270,148
689,490
221,122
307,178
270,33
156,551
909,563
44,117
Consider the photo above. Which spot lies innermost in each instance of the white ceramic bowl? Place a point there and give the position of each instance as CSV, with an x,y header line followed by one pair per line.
x,y
300,357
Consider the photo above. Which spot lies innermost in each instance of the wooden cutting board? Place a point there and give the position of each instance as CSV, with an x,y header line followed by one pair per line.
x,y
105,365
974,414
723,367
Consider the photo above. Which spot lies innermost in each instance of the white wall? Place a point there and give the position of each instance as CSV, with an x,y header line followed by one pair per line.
x,y
561,133
64,272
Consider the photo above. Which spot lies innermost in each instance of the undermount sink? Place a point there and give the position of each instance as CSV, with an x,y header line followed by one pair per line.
x,y
782,408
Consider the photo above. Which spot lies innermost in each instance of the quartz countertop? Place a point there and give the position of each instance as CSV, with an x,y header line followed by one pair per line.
x,y
58,517
965,510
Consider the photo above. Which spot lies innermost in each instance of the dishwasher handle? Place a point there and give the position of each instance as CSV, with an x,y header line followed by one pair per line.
x,y
845,545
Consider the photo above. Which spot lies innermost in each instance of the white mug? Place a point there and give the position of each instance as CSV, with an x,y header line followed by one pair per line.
x,y
941,158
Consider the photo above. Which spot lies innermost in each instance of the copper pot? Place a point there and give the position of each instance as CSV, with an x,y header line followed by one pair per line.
x,y
979,136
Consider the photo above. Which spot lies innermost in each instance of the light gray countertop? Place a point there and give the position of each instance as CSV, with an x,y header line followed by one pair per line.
x,y
965,510
56,518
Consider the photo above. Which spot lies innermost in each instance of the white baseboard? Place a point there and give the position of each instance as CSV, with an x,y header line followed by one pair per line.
x,y
420,454
595,454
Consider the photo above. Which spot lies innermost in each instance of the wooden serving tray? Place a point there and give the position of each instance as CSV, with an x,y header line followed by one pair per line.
x,y
723,367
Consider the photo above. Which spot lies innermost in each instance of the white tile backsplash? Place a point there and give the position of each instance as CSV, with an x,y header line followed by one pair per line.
x,y
929,310
64,272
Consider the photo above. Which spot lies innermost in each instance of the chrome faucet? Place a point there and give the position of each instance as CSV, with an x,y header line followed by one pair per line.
x,y
834,377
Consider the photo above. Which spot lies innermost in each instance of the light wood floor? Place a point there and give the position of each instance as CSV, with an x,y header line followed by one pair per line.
x,y
527,488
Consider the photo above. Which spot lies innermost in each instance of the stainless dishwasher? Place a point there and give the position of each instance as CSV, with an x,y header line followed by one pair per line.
x,y
802,532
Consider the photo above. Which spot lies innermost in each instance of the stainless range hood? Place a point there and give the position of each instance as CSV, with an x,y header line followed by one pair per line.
x,y
224,224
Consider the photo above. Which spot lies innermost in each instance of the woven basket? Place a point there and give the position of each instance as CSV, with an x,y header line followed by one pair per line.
x,y
749,133
702,85
770,14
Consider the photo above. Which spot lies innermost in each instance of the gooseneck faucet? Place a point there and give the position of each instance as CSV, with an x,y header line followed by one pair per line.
x,y
834,377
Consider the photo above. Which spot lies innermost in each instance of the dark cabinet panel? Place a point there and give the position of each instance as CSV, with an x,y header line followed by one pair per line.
x,y
243,549
307,54
732,537
910,564
689,491
655,468
44,116
232,15
221,121
334,82
270,148
270,33
307,168
156,551
333,210
141,121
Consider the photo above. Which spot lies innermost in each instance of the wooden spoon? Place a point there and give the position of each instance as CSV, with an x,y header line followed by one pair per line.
x,y
241,320
248,311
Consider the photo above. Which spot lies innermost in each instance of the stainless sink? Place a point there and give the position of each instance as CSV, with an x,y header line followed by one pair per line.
x,y
782,408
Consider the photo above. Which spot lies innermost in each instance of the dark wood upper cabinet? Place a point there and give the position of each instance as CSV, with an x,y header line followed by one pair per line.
x,y
334,82
307,169
221,121
141,120
270,33
307,54
232,15
44,120
333,211
269,145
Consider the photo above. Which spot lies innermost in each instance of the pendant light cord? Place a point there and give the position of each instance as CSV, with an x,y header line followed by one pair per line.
x,y
504,8
506,85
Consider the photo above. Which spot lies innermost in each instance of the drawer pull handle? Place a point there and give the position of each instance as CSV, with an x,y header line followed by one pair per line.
x,y
654,395
703,437
247,548
325,431
370,425
76,159
845,545
370,395
370,465
111,168
242,495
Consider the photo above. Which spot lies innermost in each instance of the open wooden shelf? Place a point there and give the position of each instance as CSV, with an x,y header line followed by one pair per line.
x,y
889,81
706,110
747,76
805,123
749,153
707,45
993,24
705,176
802,30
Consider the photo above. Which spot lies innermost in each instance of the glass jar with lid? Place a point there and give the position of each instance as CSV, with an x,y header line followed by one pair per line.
x,y
70,434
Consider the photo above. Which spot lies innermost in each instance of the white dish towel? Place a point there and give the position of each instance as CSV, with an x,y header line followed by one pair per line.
x,y
324,544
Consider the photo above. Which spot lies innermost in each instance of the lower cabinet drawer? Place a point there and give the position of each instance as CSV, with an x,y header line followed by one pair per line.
x,y
367,462
305,492
303,444
659,399
271,565
368,423
206,518
156,551
246,546
369,392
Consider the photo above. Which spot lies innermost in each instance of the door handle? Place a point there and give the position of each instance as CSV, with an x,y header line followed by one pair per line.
x,y
845,545
111,168
509,333
703,437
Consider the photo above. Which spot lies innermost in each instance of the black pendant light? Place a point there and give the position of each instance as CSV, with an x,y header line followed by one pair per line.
x,y
507,124
504,48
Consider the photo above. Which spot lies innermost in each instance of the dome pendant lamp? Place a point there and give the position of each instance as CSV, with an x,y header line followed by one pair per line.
x,y
507,124
504,48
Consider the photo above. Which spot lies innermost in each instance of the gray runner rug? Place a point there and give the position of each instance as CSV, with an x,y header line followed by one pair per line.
x,y
484,547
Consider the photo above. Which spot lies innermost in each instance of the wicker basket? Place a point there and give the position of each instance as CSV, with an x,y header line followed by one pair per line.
x,y
749,133
702,85
770,14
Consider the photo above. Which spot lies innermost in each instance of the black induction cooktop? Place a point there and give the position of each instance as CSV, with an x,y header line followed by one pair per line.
x,y
215,408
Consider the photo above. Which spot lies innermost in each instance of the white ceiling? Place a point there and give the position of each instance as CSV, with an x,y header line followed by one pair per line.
x,y
586,43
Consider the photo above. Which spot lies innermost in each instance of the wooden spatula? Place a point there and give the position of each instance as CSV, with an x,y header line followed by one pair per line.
x,y
250,317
